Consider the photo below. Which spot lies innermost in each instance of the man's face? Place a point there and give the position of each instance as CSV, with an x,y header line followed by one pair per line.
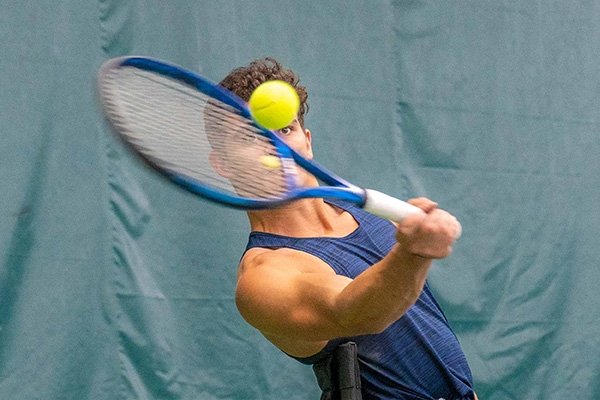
x,y
240,158
298,138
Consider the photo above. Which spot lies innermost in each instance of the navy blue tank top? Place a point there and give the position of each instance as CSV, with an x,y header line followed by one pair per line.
x,y
418,357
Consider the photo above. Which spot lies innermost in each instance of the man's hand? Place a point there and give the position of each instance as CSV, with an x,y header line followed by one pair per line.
x,y
430,235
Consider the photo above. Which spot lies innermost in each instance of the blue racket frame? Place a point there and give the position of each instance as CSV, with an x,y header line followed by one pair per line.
x,y
338,188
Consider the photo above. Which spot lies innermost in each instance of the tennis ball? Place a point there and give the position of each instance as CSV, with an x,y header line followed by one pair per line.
x,y
270,162
274,104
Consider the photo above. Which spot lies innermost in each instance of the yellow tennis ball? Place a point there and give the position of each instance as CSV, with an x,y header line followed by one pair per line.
x,y
274,104
270,162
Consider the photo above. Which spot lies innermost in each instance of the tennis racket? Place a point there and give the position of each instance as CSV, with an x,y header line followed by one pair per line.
x,y
203,138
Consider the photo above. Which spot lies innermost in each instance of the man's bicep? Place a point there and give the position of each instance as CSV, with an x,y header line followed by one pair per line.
x,y
283,299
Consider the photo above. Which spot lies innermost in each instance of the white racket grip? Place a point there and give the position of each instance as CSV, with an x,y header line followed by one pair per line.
x,y
388,207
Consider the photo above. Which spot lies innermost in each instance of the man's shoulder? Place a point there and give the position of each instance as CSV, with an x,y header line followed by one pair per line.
x,y
259,259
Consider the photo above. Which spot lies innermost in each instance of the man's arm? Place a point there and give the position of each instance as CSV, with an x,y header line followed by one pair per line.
x,y
294,298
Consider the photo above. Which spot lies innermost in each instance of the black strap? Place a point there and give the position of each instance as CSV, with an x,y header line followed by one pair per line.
x,y
338,375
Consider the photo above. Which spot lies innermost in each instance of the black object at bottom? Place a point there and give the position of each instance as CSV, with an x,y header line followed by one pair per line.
x,y
338,375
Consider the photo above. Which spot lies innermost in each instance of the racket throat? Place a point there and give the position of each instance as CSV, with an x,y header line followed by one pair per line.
x,y
351,194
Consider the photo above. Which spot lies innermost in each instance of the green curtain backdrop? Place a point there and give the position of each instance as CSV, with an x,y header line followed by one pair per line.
x,y
115,285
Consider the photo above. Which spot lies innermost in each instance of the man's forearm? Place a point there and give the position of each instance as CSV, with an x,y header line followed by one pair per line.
x,y
383,293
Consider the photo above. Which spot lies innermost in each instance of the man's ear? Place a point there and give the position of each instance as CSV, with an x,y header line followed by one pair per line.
x,y
308,138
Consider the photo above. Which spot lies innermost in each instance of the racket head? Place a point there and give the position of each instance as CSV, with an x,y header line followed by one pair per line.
x,y
196,133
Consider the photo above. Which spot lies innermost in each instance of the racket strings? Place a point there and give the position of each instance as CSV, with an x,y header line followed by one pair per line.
x,y
186,132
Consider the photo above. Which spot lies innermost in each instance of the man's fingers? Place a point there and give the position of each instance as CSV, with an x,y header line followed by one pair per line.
x,y
458,230
411,223
424,204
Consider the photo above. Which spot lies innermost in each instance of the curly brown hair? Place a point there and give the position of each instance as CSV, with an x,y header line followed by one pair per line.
x,y
243,80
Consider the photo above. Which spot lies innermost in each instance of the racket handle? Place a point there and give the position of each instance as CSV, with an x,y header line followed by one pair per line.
x,y
388,207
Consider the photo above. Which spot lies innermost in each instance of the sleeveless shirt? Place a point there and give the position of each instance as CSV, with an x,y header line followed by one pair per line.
x,y
418,357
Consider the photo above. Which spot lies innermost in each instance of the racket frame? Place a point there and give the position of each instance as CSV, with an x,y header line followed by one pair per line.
x,y
337,188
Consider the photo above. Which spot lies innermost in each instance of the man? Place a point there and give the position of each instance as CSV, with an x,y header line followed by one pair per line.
x,y
316,274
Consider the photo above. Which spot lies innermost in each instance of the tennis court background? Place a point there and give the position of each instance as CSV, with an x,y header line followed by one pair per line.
x,y
115,285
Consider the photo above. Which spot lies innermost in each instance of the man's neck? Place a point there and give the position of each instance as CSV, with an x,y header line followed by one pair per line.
x,y
304,218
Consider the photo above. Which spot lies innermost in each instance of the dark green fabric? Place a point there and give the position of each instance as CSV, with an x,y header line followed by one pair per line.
x,y
115,285
499,110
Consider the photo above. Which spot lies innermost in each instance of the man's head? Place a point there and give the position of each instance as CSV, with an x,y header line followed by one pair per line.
x,y
237,151
243,80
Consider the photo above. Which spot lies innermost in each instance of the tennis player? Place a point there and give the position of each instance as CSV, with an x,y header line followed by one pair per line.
x,y
317,273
